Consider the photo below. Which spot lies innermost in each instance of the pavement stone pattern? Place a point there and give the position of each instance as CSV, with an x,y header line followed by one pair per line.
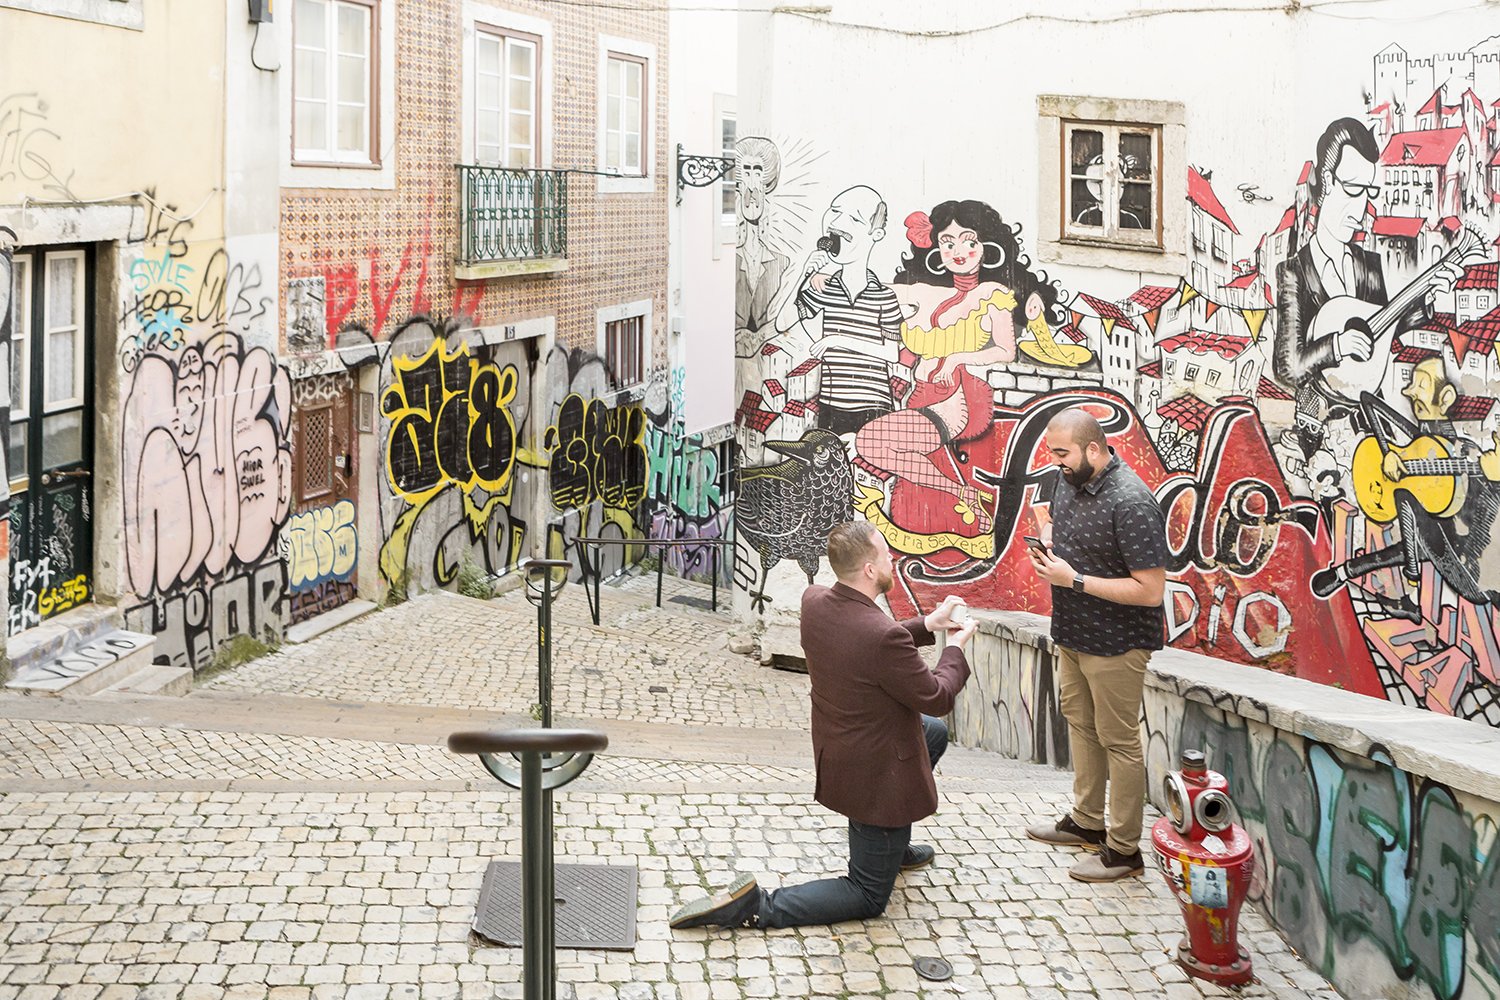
x,y
670,665
128,871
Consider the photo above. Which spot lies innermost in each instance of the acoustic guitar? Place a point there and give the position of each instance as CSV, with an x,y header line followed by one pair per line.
x,y
1425,470
1351,376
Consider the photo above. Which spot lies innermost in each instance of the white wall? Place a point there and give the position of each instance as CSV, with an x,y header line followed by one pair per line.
x,y
703,46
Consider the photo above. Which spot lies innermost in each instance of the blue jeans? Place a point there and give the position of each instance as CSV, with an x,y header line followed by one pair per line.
x,y
875,854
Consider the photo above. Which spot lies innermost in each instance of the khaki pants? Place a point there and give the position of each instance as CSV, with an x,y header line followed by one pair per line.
x,y
1101,699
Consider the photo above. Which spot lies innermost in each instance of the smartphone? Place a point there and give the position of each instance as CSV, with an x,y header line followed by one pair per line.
x,y
1035,543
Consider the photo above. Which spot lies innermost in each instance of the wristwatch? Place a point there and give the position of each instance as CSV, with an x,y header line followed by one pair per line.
x,y
1078,582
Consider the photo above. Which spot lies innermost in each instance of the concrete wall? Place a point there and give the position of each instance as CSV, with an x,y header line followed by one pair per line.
x,y
1190,354
1374,825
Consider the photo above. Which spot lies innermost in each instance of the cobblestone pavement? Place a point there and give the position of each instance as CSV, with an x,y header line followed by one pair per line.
x,y
209,847
671,665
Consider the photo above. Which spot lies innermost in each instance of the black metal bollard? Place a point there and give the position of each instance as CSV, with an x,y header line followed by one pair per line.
x,y
544,632
575,748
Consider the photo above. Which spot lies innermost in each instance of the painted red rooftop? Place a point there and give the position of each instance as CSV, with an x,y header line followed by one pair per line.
x,y
1471,407
1270,390
1201,193
804,367
1287,218
1202,342
1105,309
1479,275
1396,225
1243,281
1189,411
1428,148
1150,297
1151,369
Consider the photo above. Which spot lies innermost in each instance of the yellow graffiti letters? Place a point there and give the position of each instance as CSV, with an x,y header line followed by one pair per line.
x,y
450,423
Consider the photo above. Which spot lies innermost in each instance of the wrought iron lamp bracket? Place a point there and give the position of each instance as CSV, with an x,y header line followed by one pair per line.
x,y
700,171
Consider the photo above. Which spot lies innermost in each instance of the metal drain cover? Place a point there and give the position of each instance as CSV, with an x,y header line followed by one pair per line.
x,y
934,969
594,906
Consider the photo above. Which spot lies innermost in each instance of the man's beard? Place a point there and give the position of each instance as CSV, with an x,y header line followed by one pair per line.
x,y
886,582
1083,475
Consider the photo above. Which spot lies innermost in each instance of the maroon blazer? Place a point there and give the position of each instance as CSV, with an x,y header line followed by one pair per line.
x,y
869,689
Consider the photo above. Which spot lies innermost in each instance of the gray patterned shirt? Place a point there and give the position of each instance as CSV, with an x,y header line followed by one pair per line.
x,y
1108,527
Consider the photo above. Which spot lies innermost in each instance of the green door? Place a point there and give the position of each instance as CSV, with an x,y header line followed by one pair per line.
x,y
50,454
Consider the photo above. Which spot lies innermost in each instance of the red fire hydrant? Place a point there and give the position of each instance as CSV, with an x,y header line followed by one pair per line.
x,y
1207,861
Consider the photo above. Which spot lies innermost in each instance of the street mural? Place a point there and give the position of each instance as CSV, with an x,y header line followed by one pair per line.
x,y
1314,405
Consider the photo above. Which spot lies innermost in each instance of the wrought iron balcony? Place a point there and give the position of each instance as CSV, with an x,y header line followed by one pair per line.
x,y
513,221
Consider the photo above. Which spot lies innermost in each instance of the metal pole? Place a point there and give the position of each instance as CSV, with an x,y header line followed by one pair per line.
x,y
535,891
661,562
549,898
598,572
715,550
544,650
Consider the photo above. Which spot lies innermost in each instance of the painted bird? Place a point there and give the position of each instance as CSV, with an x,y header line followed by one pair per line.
x,y
786,510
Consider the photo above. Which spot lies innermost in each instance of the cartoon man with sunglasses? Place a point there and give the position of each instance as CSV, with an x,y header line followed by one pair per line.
x,y
1330,264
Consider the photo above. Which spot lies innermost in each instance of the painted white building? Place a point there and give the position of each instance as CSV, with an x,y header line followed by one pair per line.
x,y
702,122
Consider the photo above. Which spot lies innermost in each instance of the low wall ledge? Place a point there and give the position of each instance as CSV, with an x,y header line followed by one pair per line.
x,y
1461,754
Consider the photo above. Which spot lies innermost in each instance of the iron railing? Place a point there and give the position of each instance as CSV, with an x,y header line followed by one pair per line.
x,y
512,214
662,544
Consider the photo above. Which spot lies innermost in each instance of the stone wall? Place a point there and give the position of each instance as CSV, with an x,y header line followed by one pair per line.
x,y
1374,825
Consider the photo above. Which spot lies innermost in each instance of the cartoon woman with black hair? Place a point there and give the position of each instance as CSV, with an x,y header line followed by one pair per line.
x,y
967,292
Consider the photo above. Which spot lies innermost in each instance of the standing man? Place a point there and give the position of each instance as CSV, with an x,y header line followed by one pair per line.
x,y
1108,574
861,335
875,742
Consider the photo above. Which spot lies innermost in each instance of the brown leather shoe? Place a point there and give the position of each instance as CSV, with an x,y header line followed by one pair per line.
x,y
1066,833
1109,865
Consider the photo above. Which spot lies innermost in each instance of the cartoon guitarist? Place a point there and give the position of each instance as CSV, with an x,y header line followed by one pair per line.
x,y
1455,540
1331,265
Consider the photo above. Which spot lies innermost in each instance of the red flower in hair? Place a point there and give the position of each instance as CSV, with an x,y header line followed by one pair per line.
x,y
919,229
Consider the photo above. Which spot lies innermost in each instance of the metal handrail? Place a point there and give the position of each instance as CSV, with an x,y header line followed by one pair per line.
x,y
713,543
511,214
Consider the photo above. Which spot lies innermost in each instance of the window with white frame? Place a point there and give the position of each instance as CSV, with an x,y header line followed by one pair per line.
x,y
507,98
333,82
624,113
1113,189
728,135
625,350
1221,244
1191,373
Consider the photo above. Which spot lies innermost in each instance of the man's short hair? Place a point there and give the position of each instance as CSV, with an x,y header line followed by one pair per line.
x,y
850,546
1343,132
1081,426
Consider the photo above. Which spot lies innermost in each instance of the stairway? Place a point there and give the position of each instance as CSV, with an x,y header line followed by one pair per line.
x,y
87,651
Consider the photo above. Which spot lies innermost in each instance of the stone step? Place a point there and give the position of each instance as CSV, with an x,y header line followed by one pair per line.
x,y
157,680
318,624
59,635
90,667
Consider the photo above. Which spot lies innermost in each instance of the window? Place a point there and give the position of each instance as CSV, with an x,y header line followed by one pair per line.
x,y
1212,378
727,138
1169,366
1113,191
625,113
1112,183
1199,245
1190,373
1221,244
507,98
624,342
333,74
625,133
624,350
